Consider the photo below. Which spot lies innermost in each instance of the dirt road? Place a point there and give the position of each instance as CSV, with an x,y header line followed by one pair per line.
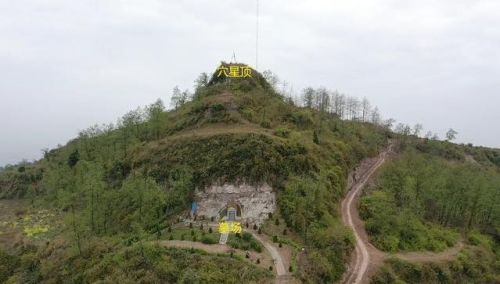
x,y
364,251
280,267
443,256
282,275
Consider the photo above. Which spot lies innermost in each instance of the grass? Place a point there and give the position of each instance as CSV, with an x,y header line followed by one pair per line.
x,y
244,242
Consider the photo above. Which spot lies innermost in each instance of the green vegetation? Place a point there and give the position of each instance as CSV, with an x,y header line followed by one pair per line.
x,y
102,260
244,241
420,195
424,199
129,181
477,264
120,186
393,229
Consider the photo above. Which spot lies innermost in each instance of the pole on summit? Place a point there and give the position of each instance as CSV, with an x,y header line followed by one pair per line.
x,y
257,39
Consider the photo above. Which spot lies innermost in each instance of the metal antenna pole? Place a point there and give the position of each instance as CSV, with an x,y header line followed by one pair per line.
x,y
257,39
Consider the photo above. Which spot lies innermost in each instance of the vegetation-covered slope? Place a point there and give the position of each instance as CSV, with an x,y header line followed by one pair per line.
x,y
121,186
127,183
428,198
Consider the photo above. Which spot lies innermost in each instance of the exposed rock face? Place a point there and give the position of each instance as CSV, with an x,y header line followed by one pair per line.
x,y
256,202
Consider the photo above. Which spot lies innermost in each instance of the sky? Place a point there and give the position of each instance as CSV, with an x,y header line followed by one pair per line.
x,y
67,65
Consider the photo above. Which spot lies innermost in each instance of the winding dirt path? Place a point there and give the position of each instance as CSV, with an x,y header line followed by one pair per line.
x,y
278,260
428,256
282,275
367,259
365,253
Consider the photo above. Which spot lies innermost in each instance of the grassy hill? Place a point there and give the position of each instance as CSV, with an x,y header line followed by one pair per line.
x,y
119,187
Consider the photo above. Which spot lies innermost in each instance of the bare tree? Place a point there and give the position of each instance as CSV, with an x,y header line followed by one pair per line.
x,y
365,109
308,97
375,116
352,107
271,78
338,103
388,123
417,128
176,99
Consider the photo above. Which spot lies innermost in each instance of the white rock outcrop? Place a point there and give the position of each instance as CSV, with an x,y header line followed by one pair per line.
x,y
256,202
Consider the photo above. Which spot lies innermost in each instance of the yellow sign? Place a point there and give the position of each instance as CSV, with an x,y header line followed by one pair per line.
x,y
234,71
230,227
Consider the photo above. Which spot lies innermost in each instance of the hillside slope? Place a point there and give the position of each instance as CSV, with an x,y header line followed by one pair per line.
x,y
92,209
121,185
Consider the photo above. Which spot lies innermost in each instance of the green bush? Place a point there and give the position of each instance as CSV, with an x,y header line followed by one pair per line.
x,y
245,242
209,240
282,132
8,265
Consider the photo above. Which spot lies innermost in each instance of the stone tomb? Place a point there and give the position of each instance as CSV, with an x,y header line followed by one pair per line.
x,y
242,202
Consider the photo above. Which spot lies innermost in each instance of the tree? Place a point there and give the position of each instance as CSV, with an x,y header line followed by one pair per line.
x,y
403,129
451,134
308,97
322,100
179,97
365,109
315,137
352,108
154,112
73,158
90,184
201,81
417,128
129,127
271,78
375,116
284,92
338,104
388,123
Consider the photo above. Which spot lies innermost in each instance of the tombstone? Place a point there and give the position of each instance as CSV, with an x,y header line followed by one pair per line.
x,y
231,214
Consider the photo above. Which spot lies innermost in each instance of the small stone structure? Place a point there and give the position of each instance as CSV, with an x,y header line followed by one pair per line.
x,y
243,202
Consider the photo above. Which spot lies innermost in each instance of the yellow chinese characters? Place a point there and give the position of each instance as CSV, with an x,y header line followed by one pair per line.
x,y
234,71
230,227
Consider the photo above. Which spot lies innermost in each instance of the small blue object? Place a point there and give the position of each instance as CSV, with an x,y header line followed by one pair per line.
x,y
194,207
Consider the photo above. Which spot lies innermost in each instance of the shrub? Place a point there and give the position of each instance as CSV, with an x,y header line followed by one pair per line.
x,y
282,132
266,124
209,240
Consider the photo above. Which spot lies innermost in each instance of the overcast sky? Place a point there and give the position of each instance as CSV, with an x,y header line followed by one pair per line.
x,y
65,65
